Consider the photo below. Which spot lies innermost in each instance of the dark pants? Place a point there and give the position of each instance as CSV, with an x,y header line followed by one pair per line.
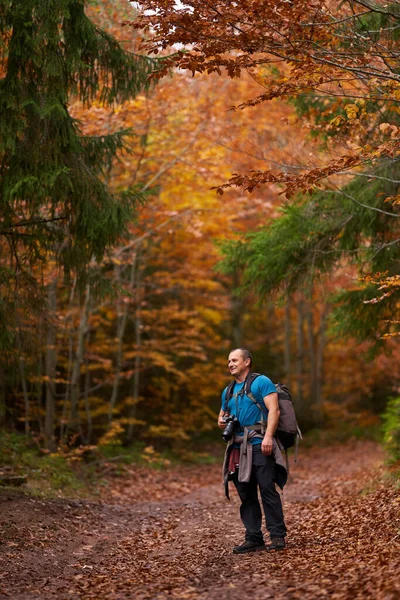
x,y
262,475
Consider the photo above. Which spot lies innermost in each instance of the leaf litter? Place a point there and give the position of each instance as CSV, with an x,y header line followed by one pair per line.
x,y
169,534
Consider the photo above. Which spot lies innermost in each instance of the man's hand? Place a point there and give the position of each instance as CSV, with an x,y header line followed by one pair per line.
x,y
271,402
266,445
221,421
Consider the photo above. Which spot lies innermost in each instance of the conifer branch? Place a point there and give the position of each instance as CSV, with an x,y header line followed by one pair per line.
x,y
31,223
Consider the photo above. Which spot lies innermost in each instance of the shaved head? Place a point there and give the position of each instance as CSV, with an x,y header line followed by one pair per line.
x,y
245,354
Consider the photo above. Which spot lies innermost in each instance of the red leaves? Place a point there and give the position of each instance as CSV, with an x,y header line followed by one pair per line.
x,y
293,183
317,45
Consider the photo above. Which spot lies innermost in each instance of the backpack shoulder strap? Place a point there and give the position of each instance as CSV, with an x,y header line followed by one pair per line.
x,y
247,390
283,390
248,383
229,392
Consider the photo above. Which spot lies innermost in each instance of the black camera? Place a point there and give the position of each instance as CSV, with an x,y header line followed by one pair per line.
x,y
232,424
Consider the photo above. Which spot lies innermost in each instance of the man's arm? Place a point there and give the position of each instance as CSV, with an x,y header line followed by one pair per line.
x,y
271,402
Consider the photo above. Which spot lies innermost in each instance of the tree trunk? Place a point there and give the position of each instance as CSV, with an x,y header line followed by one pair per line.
x,y
86,397
300,356
138,346
237,308
320,356
21,365
68,376
74,421
122,318
312,356
39,392
287,352
64,416
2,398
311,352
25,393
51,361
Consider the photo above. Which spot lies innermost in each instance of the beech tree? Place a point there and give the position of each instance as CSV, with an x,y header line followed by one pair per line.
x,y
338,65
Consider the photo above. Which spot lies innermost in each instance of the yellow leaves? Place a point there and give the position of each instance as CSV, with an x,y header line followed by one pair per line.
x,y
336,122
165,431
100,364
113,434
98,408
214,316
131,401
132,421
391,334
151,457
355,110
351,111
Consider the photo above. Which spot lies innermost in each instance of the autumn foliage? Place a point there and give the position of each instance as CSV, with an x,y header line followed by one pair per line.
x,y
278,99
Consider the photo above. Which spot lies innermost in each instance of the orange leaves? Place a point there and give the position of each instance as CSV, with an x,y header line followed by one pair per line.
x,y
384,282
387,285
391,130
395,200
292,183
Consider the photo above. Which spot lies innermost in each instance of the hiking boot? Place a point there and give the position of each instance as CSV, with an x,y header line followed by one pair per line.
x,y
248,546
277,543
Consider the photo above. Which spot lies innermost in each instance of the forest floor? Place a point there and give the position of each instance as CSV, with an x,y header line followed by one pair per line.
x,y
169,534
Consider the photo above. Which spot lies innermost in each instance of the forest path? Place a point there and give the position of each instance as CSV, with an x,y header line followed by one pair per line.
x,y
343,541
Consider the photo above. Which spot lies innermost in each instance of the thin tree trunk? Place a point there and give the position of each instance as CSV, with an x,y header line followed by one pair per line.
x,y
86,397
300,356
38,371
237,306
21,366
74,422
122,318
2,398
287,352
138,347
68,375
25,393
312,354
320,355
39,393
51,361
64,416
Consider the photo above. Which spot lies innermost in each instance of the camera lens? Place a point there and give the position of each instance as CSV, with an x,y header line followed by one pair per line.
x,y
227,433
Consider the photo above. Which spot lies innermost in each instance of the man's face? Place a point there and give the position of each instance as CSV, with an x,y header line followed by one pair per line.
x,y
237,365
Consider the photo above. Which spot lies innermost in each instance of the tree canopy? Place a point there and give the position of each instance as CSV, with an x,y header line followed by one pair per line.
x,y
318,230
337,64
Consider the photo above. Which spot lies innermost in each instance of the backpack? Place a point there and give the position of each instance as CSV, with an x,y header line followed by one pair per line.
x,y
287,432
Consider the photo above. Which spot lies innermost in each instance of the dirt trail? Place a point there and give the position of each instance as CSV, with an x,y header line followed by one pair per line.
x,y
343,543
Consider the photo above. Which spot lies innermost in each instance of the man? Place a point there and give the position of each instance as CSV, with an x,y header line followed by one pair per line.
x,y
267,466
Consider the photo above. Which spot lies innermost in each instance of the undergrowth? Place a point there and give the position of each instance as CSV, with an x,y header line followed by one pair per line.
x,y
81,472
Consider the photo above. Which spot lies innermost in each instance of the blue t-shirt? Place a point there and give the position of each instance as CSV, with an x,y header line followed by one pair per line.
x,y
242,407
